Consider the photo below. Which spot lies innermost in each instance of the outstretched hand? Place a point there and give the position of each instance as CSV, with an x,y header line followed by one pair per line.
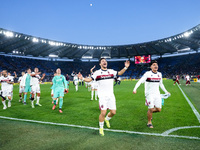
x,y
127,63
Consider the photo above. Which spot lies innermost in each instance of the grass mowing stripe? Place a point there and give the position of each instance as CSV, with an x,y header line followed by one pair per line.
x,y
93,128
191,105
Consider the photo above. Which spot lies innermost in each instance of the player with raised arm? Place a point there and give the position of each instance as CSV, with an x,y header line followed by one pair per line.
x,y
21,88
187,77
6,87
152,80
27,82
60,86
94,86
105,78
36,84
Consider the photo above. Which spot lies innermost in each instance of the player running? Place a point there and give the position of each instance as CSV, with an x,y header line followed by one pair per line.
x,y
7,88
177,80
94,86
60,85
187,77
21,88
75,79
152,80
36,84
27,82
52,90
105,78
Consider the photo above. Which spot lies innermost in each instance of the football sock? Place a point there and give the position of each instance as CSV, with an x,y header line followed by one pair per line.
x,y
54,102
101,124
92,93
108,118
76,87
4,103
38,99
96,93
25,96
60,103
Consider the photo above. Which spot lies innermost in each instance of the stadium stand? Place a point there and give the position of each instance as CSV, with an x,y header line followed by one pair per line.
x,y
169,66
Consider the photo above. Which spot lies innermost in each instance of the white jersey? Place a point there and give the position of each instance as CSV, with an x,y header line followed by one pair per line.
x,y
4,84
12,77
35,79
187,78
105,79
152,82
19,80
75,78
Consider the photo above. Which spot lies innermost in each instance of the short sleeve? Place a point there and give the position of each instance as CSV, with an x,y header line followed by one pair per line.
x,y
115,73
11,79
94,75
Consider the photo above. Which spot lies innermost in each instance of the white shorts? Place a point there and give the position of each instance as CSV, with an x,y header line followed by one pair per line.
x,y
21,90
35,89
94,85
153,101
7,93
75,83
107,102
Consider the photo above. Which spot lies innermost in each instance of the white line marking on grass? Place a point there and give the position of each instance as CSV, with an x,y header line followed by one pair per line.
x,y
93,128
178,128
191,105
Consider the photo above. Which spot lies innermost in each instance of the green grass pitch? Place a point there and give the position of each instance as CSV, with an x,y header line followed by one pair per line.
x,y
79,110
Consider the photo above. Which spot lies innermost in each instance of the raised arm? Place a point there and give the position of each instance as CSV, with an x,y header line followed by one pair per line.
x,y
43,75
84,79
91,70
126,64
15,74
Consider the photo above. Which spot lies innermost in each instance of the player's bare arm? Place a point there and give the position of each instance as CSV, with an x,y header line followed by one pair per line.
x,y
91,70
15,74
126,64
43,75
84,79
10,82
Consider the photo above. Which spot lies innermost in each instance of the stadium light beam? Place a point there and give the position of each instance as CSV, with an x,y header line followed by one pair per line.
x,y
8,33
53,55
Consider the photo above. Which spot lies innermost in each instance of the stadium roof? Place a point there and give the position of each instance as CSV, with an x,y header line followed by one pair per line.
x,y
21,44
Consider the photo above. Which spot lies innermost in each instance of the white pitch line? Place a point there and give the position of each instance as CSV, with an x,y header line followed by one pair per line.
x,y
178,128
93,128
191,105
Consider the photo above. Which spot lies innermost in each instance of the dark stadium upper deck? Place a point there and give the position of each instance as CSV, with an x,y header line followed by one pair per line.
x,y
21,44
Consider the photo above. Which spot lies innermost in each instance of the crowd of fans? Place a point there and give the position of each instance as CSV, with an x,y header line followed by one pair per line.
x,y
169,66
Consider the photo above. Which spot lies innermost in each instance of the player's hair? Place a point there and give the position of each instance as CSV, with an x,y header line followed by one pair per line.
x,y
28,69
5,71
101,59
153,61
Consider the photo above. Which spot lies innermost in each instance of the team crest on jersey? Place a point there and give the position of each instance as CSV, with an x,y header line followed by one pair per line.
x,y
101,106
158,76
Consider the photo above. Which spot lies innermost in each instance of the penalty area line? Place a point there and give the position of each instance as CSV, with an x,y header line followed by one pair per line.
x,y
93,128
